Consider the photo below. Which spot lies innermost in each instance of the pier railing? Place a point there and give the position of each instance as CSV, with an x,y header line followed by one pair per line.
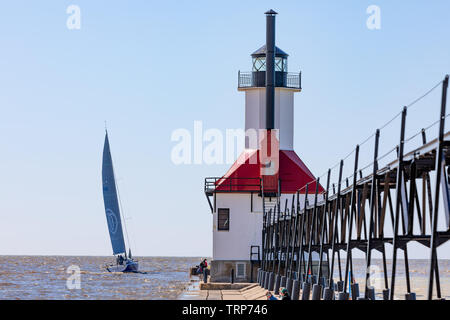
x,y
223,184
229,185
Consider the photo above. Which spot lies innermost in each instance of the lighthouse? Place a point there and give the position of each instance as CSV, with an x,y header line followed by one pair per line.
x,y
268,173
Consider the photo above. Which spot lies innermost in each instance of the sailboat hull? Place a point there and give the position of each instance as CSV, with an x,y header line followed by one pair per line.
x,y
129,266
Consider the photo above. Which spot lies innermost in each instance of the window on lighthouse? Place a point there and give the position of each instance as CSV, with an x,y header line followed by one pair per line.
x,y
223,219
281,64
259,64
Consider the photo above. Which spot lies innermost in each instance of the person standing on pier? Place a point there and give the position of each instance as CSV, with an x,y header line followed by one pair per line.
x,y
204,266
200,267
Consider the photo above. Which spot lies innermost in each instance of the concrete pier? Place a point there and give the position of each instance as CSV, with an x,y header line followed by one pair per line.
x,y
197,290
223,291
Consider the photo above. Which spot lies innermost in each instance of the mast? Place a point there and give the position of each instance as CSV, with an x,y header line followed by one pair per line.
x,y
123,219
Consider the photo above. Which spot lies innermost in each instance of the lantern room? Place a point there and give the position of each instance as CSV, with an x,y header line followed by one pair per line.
x,y
259,67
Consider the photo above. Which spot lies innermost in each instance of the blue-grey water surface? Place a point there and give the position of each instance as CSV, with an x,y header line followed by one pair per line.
x,y
45,277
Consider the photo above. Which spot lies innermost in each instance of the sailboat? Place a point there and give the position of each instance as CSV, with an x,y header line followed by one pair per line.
x,y
124,262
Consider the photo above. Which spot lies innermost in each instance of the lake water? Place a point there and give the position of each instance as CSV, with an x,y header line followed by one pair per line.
x,y
45,277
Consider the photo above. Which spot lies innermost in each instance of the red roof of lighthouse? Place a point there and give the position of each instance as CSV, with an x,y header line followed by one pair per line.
x,y
244,174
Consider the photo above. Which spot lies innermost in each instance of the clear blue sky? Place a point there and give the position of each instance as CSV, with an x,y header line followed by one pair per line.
x,y
150,67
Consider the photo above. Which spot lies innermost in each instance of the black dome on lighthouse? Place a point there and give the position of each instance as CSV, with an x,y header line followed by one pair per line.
x,y
261,52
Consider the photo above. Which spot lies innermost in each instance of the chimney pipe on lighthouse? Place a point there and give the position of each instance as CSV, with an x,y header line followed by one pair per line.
x,y
270,69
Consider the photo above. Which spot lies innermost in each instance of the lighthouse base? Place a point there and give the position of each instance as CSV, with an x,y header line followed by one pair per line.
x,y
243,271
240,271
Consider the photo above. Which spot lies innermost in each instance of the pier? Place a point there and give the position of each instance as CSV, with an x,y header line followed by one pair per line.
x,y
197,290
376,206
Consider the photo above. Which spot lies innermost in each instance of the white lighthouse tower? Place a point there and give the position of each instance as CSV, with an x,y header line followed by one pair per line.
x,y
268,170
